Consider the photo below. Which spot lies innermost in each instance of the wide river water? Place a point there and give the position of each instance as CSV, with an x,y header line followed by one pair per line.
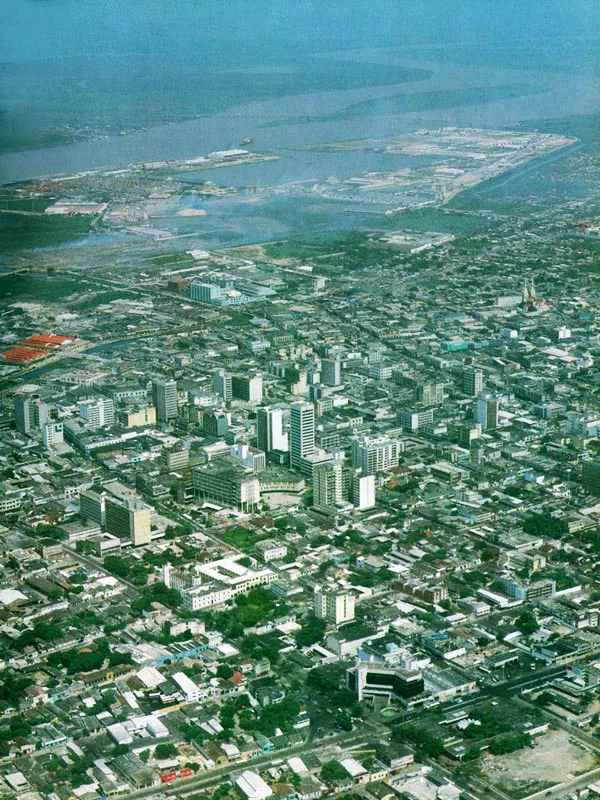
x,y
555,95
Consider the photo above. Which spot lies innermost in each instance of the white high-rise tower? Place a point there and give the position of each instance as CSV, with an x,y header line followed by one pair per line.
x,y
302,432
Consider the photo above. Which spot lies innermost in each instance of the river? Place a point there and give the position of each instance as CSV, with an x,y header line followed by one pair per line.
x,y
559,95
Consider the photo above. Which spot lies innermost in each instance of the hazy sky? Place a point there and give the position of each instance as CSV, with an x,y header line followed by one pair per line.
x,y
120,66
48,28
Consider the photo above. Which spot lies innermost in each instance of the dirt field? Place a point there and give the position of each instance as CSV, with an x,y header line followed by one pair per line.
x,y
553,760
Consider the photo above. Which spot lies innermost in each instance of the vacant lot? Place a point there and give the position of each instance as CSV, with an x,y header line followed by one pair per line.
x,y
554,759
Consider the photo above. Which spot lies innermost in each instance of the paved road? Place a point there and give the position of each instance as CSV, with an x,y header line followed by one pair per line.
x,y
230,772
563,789
133,591
540,676
485,790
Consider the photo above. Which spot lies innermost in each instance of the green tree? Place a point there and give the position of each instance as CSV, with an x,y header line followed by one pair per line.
x,y
508,744
224,671
545,524
526,623
332,771
165,751
311,633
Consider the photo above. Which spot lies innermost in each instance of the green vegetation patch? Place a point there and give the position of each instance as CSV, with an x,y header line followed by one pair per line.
x,y
36,289
24,232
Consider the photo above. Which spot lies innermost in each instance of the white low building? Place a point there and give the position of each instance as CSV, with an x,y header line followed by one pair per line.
x,y
216,582
150,677
123,732
191,690
120,734
253,786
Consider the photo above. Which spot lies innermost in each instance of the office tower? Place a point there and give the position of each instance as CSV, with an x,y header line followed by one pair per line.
x,y
302,432
248,388
331,372
175,459
249,457
375,680
411,419
229,485
41,413
52,433
205,292
30,413
128,518
164,399
529,295
223,385
472,381
92,504
477,451
590,476
487,411
363,491
376,455
464,433
333,604
98,413
316,392
296,380
215,423
269,430
23,414
328,484
430,394
137,417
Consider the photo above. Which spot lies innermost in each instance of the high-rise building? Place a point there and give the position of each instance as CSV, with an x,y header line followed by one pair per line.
x,y
269,430
411,419
227,483
316,392
590,476
23,414
52,434
464,433
430,394
374,680
164,399
137,417
30,413
302,432
328,484
333,604
472,381
215,422
175,459
376,455
248,388
249,457
92,504
99,413
223,385
488,406
363,491
128,518
205,292
331,371
477,451
296,380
